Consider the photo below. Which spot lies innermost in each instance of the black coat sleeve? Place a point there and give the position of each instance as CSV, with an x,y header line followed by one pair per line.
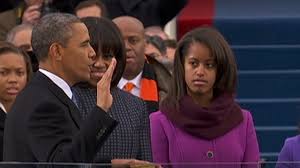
x,y
52,137
168,9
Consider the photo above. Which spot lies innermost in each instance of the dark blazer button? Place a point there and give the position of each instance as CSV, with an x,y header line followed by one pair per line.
x,y
100,133
210,154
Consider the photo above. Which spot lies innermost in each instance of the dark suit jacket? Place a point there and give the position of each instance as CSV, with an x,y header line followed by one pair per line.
x,y
6,5
131,138
44,126
150,12
2,121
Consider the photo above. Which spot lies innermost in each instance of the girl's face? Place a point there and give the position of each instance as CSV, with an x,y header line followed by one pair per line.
x,y
200,70
13,75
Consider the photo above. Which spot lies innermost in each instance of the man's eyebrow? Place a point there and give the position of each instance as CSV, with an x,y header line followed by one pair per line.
x,y
24,46
85,41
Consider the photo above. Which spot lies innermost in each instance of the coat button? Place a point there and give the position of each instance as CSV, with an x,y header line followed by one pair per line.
x,y
210,154
100,133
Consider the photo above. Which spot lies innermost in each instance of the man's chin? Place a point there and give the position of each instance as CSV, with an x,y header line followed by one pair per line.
x,y
93,84
95,78
93,81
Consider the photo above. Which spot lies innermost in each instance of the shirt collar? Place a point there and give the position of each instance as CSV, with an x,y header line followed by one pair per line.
x,y
59,82
136,81
2,107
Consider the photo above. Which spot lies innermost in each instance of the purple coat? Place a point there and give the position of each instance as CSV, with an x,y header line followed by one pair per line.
x,y
171,144
290,152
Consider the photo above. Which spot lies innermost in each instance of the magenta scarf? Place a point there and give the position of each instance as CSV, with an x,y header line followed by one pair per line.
x,y
209,123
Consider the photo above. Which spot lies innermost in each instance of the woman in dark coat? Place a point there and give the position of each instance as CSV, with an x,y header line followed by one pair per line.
x,y
15,72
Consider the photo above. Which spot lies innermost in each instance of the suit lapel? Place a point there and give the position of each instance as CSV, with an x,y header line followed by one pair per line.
x,y
2,119
60,94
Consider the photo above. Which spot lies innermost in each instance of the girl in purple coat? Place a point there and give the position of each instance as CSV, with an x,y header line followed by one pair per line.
x,y
199,122
289,156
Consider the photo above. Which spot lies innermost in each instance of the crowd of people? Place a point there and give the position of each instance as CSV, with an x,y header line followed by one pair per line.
x,y
106,84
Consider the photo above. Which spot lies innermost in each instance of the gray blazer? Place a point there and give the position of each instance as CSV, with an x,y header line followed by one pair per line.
x,y
131,138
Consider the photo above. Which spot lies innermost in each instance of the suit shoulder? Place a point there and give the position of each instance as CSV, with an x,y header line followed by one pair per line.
x,y
34,92
35,95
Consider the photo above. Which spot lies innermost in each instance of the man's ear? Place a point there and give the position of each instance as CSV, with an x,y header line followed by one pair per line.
x,y
56,51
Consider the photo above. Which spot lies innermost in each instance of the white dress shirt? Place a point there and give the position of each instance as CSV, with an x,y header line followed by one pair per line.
x,y
137,84
2,107
59,82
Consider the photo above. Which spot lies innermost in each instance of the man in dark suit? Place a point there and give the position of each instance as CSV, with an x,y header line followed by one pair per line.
x,y
44,124
142,77
2,121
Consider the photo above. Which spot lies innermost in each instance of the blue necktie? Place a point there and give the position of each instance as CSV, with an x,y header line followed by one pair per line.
x,y
74,97
78,101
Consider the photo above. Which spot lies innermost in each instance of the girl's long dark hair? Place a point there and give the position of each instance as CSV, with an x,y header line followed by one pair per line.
x,y
226,80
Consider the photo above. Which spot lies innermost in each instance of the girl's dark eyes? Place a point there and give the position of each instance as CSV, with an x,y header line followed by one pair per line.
x,y
20,73
194,63
210,65
206,65
3,73
6,72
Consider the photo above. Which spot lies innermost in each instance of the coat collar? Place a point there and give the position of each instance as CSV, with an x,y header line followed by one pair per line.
x,y
61,96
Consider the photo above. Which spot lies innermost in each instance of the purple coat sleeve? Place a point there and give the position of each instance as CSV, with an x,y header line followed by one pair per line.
x,y
285,155
159,140
252,149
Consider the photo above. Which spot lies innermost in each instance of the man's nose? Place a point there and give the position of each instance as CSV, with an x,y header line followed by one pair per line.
x,y
92,53
128,46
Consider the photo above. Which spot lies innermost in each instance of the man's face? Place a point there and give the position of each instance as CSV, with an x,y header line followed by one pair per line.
x,y
22,39
135,48
78,55
152,51
171,53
